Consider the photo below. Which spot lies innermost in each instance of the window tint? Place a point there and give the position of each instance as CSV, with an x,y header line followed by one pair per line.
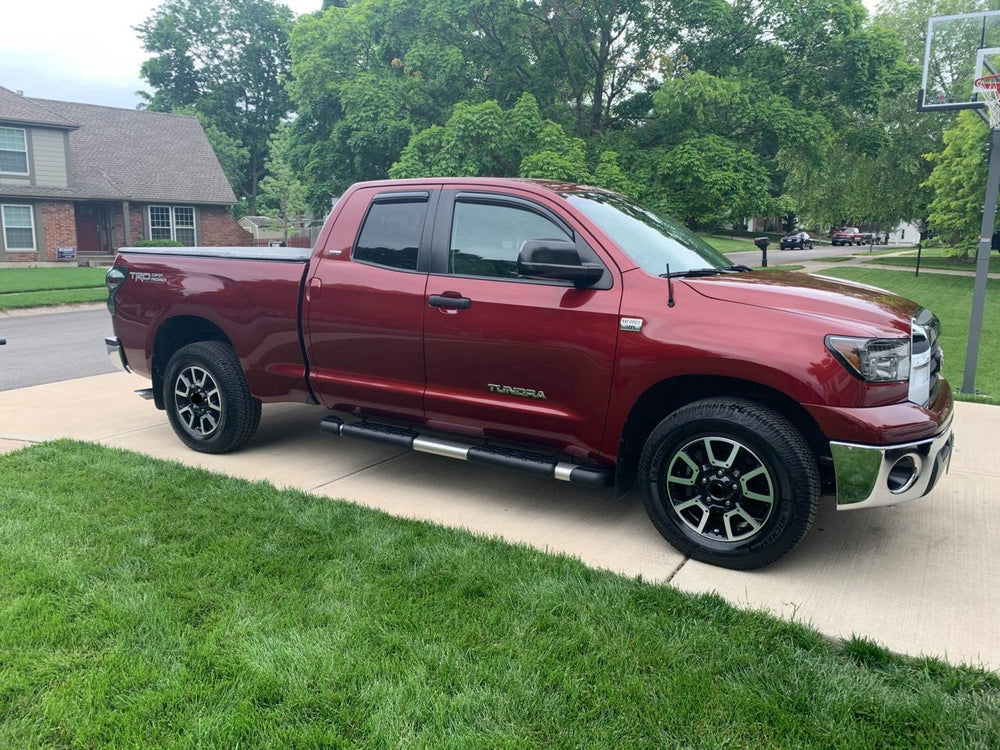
x,y
391,234
486,238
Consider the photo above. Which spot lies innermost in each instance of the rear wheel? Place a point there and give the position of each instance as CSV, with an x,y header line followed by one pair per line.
x,y
207,399
729,482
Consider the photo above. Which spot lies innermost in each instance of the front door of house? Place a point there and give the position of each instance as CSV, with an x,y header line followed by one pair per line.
x,y
92,228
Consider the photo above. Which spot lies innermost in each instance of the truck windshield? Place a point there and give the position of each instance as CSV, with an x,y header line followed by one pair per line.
x,y
651,240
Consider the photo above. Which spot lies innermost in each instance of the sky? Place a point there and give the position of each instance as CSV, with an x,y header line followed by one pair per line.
x,y
79,51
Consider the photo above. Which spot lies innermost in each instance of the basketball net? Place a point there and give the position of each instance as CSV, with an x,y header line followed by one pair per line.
x,y
989,88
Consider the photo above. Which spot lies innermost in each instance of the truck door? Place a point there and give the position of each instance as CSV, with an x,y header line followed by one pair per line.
x,y
364,305
508,356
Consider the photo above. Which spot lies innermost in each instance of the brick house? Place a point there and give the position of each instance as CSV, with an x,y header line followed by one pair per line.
x,y
80,180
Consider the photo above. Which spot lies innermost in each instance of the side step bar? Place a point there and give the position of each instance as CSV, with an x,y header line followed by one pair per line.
x,y
536,463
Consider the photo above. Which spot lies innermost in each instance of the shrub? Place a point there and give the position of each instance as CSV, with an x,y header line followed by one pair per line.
x,y
157,243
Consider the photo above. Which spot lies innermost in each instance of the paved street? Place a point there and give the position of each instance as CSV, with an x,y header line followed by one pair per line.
x,y
46,347
776,256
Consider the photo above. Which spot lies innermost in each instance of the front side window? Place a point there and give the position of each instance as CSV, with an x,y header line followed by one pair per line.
x,y
390,236
13,151
487,237
172,223
18,227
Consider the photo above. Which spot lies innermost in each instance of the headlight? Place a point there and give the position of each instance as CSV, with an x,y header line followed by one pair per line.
x,y
874,360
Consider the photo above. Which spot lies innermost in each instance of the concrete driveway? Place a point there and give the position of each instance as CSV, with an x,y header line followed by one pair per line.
x,y
919,578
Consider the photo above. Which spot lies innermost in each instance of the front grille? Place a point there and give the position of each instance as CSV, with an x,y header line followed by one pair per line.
x,y
926,357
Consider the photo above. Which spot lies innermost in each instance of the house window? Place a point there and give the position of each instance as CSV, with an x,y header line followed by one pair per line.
x,y
172,223
13,151
18,227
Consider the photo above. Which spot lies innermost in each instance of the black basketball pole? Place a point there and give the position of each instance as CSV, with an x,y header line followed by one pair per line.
x,y
982,265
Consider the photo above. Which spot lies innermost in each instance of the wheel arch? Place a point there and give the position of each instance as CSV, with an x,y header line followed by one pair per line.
x,y
666,396
173,334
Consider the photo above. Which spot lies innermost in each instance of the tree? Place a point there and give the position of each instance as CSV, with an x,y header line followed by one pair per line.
x,y
911,134
369,75
709,179
485,140
799,85
958,182
228,59
282,195
604,50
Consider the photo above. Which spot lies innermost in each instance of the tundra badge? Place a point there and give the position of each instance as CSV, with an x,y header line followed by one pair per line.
x,y
513,391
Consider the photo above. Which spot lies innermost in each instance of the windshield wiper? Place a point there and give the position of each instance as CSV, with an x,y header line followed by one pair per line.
x,y
695,272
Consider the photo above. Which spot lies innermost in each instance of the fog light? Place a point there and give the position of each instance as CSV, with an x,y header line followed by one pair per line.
x,y
904,473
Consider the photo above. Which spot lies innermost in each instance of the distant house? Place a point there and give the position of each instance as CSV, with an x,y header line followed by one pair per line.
x,y
79,180
262,228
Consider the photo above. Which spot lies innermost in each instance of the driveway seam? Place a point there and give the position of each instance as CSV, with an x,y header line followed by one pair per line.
x,y
676,570
356,471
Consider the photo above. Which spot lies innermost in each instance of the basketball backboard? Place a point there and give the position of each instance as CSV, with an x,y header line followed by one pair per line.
x,y
958,50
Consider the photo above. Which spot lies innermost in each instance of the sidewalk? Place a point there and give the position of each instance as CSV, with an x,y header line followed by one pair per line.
x,y
918,578
863,261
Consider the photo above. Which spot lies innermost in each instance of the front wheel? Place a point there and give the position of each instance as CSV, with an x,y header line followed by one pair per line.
x,y
207,399
729,482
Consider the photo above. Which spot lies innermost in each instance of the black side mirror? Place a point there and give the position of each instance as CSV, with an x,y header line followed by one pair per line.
x,y
557,259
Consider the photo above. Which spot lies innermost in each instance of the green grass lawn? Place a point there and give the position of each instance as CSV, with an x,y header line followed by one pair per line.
x,y
729,244
950,298
938,258
146,604
42,287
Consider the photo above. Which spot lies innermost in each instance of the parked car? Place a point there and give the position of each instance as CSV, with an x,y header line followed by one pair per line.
x,y
797,241
534,325
846,236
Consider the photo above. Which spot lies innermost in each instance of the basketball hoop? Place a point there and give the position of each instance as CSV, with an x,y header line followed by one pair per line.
x,y
989,88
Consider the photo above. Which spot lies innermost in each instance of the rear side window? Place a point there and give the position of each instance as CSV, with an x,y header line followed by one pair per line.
x,y
391,234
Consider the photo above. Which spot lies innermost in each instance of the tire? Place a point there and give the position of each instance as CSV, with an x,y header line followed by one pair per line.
x,y
729,482
207,399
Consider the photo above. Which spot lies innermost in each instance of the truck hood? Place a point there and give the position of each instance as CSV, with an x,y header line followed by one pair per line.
x,y
817,296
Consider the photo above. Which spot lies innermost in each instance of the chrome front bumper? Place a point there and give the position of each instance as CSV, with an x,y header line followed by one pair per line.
x,y
116,353
870,476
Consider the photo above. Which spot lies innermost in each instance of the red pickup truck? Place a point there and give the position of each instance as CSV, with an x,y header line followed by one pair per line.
x,y
846,236
560,329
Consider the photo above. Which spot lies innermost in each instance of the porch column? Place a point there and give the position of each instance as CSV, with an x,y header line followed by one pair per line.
x,y
127,224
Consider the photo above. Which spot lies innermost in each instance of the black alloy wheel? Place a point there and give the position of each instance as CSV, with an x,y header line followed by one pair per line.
x,y
729,482
207,399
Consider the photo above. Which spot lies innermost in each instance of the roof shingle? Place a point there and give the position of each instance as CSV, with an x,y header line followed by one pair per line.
x,y
128,154
15,108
